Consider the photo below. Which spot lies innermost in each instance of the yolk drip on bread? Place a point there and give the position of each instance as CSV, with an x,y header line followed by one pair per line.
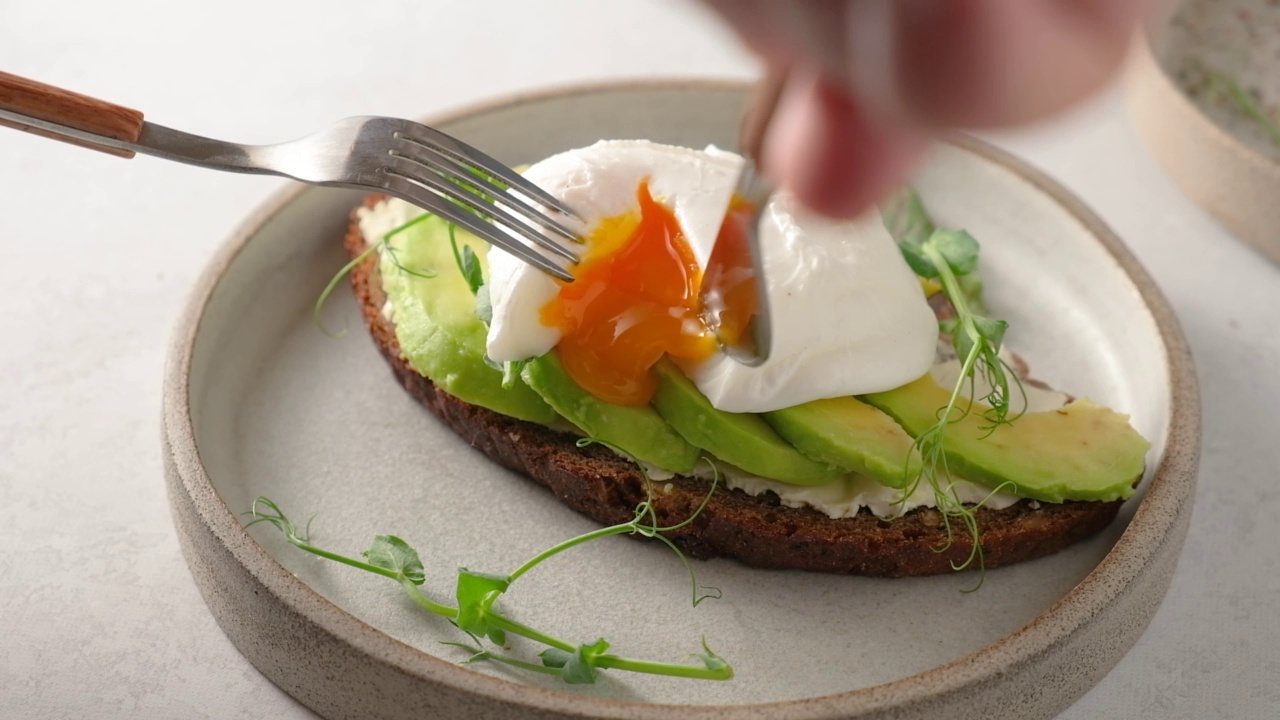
x,y
634,299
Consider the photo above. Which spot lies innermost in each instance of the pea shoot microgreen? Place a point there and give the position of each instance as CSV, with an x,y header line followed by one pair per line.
x,y
469,267
478,594
391,252
948,256
1222,84
468,263
333,285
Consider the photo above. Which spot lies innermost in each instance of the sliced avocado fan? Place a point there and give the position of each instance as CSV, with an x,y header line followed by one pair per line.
x,y
1081,451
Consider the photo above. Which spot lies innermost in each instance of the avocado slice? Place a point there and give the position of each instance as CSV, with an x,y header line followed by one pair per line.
x,y
436,323
637,431
850,434
740,439
1081,451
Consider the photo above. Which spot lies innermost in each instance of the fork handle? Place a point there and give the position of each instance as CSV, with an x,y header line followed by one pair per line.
x,y
63,107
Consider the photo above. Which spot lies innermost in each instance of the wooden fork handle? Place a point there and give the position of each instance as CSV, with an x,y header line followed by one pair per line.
x,y
81,112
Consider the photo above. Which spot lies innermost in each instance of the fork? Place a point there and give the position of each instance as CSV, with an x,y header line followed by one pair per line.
x,y
404,159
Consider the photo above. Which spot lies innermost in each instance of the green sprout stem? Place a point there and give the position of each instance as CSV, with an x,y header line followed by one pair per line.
x,y
344,560
421,600
410,578
1244,100
517,628
951,286
652,667
501,621
481,655
659,668
627,527
978,347
615,662
333,285
630,527
346,270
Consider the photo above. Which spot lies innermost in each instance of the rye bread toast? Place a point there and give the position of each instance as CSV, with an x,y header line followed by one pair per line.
x,y
755,530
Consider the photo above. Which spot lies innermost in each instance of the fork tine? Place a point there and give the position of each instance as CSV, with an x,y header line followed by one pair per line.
x,y
446,167
475,202
462,152
410,191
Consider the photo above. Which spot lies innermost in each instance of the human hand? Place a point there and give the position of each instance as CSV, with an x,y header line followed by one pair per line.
x,y
871,80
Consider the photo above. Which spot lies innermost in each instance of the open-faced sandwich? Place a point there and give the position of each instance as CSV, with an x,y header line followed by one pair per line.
x,y
855,448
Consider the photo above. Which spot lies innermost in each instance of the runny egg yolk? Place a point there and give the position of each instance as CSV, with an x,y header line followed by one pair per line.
x,y
635,298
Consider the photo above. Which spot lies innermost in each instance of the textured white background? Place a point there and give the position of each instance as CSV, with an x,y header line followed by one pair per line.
x,y
98,615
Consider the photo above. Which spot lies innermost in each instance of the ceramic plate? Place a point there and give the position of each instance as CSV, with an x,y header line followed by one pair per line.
x,y
1197,62
259,401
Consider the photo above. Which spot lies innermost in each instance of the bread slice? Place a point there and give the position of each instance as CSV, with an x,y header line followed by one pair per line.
x,y
756,530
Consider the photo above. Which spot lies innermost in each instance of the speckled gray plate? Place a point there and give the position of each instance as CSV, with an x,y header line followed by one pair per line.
x,y
259,402
1223,160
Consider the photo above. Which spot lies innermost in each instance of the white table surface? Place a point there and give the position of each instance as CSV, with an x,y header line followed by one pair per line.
x,y
98,614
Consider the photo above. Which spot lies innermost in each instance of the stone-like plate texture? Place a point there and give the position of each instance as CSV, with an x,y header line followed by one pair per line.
x,y
1217,155
259,402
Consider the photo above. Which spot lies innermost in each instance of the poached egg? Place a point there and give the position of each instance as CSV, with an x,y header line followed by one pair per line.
x,y
849,316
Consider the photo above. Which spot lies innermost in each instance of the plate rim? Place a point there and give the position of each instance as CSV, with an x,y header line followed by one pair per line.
x,y
1196,152
1160,517
1145,53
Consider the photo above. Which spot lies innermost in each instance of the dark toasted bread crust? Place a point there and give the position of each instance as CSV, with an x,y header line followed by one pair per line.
x,y
756,530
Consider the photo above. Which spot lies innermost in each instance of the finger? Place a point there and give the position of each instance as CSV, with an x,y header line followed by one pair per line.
x,y
972,63
824,148
838,144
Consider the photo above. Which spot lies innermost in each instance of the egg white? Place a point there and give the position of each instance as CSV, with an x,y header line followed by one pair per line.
x,y
848,314
600,182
